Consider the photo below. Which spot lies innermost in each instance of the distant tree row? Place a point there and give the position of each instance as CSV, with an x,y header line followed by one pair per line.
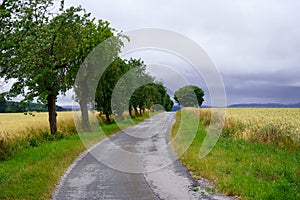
x,y
17,107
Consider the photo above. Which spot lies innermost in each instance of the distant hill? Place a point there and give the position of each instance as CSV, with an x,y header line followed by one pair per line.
x,y
13,107
266,105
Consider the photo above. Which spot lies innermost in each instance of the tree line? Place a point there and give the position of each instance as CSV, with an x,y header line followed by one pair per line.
x,y
43,47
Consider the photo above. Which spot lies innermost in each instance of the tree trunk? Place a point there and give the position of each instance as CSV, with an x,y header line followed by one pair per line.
x,y
136,112
51,101
130,111
107,117
84,109
84,115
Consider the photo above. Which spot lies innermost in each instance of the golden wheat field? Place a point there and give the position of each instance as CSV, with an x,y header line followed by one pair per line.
x,y
20,125
261,120
279,125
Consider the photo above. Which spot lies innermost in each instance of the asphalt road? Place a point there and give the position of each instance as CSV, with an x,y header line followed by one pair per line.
x,y
137,163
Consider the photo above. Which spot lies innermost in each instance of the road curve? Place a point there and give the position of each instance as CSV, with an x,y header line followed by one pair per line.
x,y
136,163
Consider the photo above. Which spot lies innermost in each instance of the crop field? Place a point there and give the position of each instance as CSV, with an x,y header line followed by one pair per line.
x,y
21,125
23,130
266,123
280,126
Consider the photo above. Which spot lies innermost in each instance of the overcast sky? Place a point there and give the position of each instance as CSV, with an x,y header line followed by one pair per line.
x,y
254,44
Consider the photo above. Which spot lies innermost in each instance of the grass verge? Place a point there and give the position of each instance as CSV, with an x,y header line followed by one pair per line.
x,y
249,170
34,172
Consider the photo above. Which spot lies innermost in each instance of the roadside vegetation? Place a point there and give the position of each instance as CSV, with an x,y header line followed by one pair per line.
x,y
34,167
256,157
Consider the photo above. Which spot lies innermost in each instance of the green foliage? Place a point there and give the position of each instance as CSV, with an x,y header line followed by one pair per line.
x,y
150,95
106,85
144,97
41,49
2,104
94,54
46,53
189,96
101,45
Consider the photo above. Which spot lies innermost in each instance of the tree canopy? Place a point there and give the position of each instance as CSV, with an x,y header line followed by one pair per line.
x,y
189,96
101,46
41,50
150,95
144,97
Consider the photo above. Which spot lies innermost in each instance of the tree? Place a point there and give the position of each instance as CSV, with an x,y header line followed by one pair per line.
x,y
106,85
112,75
95,53
2,104
45,51
132,78
164,99
8,25
189,96
149,95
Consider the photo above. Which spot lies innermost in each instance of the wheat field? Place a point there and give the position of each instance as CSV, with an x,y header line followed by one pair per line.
x,y
284,121
268,125
20,125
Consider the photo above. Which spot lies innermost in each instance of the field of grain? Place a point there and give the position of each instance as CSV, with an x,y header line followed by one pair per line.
x,y
269,120
269,125
22,130
20,125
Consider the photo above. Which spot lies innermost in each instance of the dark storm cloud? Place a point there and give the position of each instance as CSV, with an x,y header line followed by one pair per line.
x,y
253,93
277,87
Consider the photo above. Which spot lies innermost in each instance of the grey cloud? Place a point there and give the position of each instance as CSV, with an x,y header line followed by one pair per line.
x,y
281,87
281,77
254,44
270,93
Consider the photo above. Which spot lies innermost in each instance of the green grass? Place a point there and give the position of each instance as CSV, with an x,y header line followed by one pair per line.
x,y
250,170
33,173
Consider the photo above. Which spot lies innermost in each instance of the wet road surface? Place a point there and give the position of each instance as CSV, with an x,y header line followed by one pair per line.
x,y
137,163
